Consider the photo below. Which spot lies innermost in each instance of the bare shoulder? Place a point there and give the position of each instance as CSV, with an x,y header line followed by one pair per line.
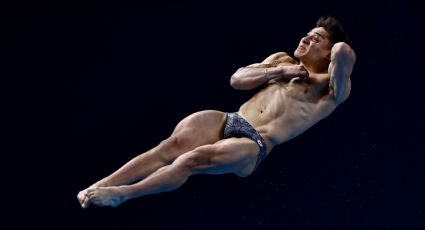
x,y
279,58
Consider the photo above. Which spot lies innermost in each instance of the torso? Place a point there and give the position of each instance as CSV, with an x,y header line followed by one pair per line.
x,y
283,109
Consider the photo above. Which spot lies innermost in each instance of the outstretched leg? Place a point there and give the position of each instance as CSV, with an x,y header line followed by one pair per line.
x,y
234,155
198,129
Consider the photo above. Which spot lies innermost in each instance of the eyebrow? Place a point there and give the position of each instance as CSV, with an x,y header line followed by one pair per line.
x,y
317,34
311,31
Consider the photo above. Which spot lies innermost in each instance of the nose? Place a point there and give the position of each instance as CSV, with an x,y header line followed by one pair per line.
x,y
305,40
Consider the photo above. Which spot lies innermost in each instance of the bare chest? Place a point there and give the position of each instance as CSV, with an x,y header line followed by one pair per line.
x,y
310,91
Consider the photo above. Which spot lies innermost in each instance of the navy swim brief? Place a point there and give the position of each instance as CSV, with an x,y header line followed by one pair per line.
x,y
237,126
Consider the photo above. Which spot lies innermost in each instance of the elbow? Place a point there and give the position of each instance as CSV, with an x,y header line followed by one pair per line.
x,y
342,95
235,81
241,81
339,99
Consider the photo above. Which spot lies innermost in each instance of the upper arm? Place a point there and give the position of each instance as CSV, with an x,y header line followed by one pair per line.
x,y
277,58
340,68
273,60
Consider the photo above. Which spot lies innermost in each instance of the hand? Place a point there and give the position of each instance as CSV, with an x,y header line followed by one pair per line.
x,y
295,71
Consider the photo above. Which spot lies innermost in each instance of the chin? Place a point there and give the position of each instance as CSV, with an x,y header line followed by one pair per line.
x,y
299,56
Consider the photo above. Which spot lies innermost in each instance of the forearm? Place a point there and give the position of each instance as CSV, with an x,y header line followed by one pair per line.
x,y
252,77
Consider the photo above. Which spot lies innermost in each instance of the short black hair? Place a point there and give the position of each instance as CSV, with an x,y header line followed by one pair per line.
x,y
334,29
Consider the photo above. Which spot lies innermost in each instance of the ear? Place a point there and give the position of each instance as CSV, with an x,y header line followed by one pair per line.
x,y
328,57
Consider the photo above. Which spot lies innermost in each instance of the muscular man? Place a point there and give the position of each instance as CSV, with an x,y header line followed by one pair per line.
x,y
292,97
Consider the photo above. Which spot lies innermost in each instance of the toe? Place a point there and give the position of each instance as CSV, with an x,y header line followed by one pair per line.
x,y
86,202
81,196
87,199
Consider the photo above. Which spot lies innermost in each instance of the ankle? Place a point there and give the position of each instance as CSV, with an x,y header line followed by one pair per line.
x,y
124,192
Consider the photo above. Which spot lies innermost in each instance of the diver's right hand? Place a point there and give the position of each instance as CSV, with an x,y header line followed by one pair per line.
x,y
294,71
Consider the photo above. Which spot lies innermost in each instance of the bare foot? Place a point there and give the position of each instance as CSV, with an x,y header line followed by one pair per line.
x,y
83,193
101,196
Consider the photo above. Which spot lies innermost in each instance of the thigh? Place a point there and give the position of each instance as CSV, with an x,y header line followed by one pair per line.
x,y
233,155
200,128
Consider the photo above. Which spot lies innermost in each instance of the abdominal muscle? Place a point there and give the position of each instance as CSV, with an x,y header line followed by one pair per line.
x,y
279,115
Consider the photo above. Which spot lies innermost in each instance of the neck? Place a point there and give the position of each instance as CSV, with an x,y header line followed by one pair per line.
x,y
318,67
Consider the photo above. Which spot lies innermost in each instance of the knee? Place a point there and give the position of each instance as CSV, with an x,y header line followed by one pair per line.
x,y
172,147
187,161
177,141
194,160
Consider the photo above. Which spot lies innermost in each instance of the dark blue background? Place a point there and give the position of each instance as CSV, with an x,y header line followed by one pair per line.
x,y
92,85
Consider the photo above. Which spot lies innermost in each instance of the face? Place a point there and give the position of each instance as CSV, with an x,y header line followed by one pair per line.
x,y
314,47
